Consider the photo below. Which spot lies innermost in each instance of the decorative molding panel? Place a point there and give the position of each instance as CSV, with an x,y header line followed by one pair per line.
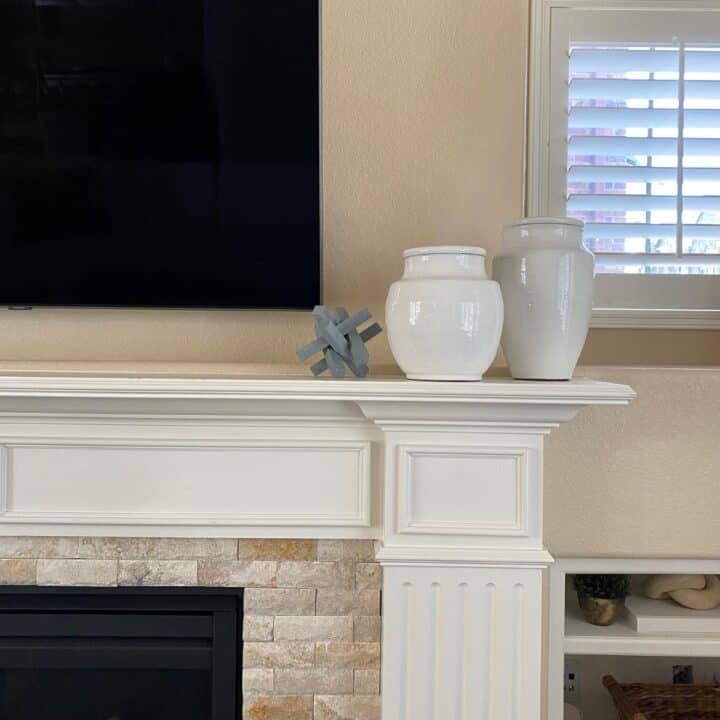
x,y
478,488
455,490
461,643
243,483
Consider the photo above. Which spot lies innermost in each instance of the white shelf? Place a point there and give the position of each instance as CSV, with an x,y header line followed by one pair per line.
x,y
582,638
569,634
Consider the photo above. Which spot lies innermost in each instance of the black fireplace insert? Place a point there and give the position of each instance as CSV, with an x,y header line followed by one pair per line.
x,y
120,653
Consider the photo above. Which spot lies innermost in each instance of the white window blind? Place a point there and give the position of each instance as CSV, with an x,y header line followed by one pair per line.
x,y
643,155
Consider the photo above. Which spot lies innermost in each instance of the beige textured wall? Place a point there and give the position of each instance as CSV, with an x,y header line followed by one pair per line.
x,y
642,480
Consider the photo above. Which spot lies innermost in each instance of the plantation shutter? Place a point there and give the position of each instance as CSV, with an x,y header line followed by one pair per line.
x,y
643,155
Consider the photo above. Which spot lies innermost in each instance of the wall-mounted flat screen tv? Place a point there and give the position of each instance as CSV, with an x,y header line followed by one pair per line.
x,y
160,153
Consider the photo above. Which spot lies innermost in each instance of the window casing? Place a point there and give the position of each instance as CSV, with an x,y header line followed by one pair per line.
x,y
624,113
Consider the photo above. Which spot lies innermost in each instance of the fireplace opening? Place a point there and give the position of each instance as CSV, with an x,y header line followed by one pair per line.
x,y
120,654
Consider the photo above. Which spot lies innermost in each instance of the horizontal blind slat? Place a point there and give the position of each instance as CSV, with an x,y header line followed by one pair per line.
x,y
617,146
635,173
623,61
621,90
603,89
704,61
701,232
580,202
619,118
618,231
706,202
620,174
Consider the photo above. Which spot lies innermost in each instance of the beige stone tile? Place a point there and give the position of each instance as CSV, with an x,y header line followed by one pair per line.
x,y
367,682
18,571
237,573
157,572
368,576
158,548
348,602
347,707
314,628
345,575
257,680
359,550
38,547
342,654
307,574
278,654
277,707
254,549
93,573
368,628
323,681
280,601
258,628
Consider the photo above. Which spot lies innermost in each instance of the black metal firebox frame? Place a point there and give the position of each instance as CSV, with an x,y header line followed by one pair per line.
x,y
128,628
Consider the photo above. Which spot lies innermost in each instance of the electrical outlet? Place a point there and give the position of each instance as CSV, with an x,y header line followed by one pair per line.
x,y
683,674
571,685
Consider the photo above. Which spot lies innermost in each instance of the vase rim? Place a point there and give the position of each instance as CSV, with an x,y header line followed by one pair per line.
x,y
545,221
445,250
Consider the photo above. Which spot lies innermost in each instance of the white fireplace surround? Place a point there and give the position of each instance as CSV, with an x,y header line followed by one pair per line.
x,y
448,476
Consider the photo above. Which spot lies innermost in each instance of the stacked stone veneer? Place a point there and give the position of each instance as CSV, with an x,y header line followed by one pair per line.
x,y
312,608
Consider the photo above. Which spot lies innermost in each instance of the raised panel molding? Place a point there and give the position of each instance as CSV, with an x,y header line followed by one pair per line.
x,y
456,490
479,488
270,483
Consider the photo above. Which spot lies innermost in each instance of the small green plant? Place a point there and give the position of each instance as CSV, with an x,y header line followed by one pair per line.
x,y
611,587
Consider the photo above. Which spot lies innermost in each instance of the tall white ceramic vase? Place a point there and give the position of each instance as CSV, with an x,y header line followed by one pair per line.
x,y
444,318
546,276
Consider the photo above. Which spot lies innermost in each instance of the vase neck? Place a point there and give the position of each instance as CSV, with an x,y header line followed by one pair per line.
x,y
544,235
450,264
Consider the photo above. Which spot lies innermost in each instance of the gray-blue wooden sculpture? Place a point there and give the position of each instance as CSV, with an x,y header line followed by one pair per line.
x,y
340,342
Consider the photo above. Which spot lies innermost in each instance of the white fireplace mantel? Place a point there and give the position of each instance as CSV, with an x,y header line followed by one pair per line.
x,y
447,476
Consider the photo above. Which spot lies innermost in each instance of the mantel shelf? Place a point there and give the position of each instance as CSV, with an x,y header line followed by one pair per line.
x,y
390,389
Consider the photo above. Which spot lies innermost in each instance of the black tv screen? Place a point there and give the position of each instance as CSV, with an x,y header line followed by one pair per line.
x,y
161,153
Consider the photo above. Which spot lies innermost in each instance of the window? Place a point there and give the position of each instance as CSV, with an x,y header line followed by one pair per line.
x,y
625,135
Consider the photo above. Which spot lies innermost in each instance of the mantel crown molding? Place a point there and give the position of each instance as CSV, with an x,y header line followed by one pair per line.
x,y
371,393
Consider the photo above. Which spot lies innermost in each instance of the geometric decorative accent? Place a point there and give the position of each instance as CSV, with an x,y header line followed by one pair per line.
x,y
340,342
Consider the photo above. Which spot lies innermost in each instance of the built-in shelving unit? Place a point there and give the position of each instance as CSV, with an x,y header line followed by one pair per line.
x,y
570,634
581,638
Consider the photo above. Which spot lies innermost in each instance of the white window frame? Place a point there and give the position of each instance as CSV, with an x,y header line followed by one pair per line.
x,y
639,301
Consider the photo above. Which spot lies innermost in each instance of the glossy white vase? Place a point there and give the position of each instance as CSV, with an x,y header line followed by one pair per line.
x,y
444,318
546,276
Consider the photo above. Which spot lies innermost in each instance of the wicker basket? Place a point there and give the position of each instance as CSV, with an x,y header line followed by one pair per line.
x,y
664,702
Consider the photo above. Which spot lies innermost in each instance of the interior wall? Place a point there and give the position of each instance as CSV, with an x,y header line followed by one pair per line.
x,y
641,480
423,126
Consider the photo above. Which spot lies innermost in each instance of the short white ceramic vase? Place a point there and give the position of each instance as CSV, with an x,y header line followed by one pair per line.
x,y
546,276
444,318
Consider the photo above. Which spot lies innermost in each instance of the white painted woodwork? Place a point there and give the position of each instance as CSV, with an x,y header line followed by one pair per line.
x,y
570,634
447,475
461,643
200,485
